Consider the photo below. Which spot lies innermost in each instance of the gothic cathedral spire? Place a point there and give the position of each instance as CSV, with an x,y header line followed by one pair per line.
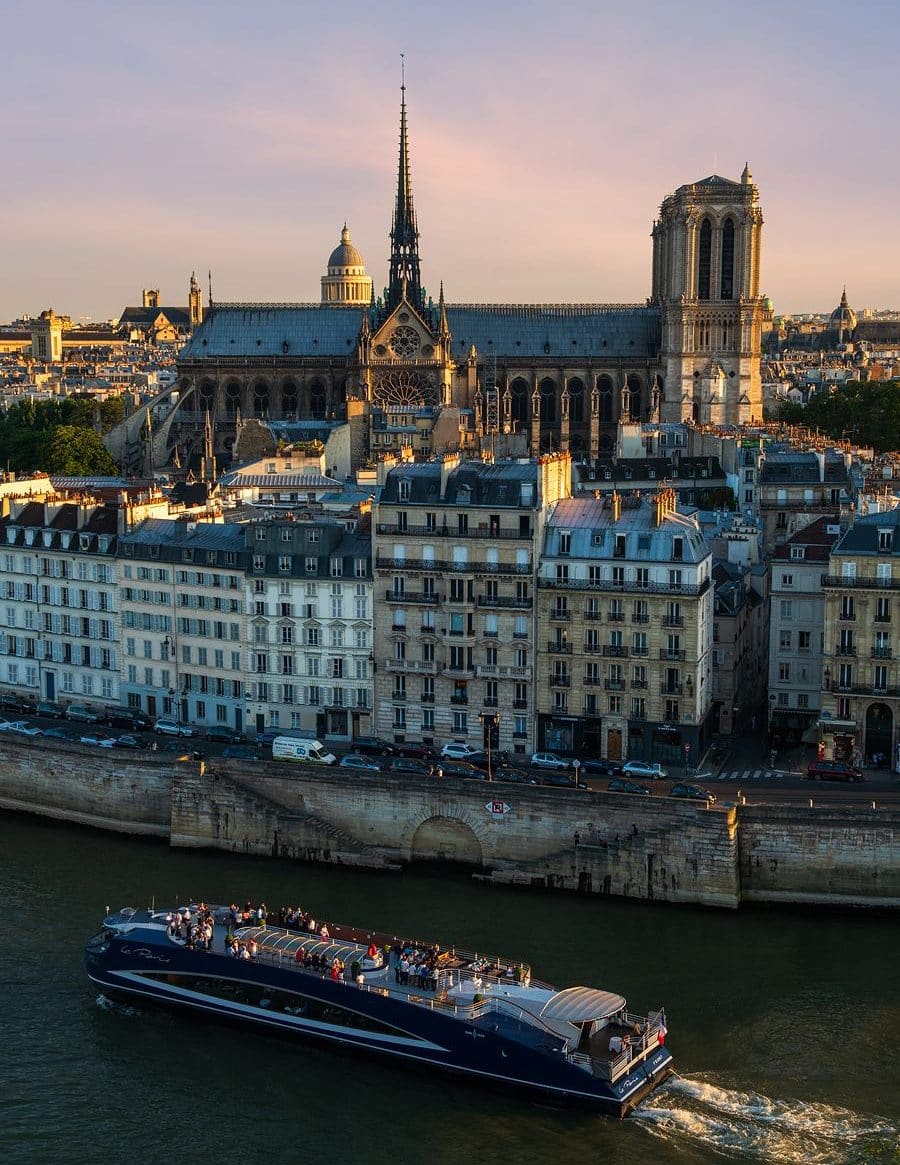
x,y
404,277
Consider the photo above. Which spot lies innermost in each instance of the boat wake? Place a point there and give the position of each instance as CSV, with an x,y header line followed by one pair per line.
x,y
748,1126
119,1008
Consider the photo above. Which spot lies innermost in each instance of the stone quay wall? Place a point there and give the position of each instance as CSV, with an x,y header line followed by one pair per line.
x,y
594,843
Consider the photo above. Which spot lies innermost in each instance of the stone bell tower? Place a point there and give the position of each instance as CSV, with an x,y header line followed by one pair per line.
x,y
706,257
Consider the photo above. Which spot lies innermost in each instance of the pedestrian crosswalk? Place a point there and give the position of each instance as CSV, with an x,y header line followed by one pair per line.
x,y
755,775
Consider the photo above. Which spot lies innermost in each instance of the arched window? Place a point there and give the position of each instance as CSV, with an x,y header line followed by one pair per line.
x,y
521,408
576,401
605,388
232,399
705,259
260,399
728,260
318,400
289,400
635,391
548,401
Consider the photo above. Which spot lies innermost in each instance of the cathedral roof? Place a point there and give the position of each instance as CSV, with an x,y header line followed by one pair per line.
x,y
512,331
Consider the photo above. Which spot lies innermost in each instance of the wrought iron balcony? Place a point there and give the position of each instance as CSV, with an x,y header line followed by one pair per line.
x,y
614,685
560,615
615,651
560,680
667,689
559,648
506,601
401,597
881,653
860,582
676,656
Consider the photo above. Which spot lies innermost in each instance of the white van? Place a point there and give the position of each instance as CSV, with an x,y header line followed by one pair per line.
x,y
289,748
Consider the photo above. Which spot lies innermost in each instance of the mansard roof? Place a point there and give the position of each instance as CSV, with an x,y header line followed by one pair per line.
x,y
145,316
510,330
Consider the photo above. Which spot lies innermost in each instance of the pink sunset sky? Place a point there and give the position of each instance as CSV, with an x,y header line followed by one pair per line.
x,y
141,142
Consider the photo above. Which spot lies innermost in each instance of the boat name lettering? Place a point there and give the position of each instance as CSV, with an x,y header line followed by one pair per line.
x,y
145,953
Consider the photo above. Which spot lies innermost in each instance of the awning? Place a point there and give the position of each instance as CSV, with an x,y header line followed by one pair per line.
x,y
578,1004
837,725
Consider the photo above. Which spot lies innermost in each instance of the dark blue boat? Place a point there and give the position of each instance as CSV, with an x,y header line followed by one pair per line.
x,y
486,1018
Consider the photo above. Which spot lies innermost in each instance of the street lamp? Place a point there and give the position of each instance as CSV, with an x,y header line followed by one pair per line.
x,y
490,721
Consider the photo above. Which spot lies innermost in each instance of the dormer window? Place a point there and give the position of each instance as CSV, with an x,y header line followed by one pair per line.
x,y
798,552
403,489
886,540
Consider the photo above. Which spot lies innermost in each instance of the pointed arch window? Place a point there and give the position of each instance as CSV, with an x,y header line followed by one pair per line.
x,y
705,257
727,291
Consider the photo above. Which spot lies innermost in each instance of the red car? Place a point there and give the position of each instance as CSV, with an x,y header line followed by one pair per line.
x,y
832,770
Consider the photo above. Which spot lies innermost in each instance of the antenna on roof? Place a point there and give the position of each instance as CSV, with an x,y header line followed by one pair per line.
x,y
209,272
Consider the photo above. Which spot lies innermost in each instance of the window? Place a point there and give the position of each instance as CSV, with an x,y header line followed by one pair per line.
x,y
786,609
784,640
461,722
337,567
678,549
704,262
787,580
798,552
784,672
885,540
803,640
565,542
727,282
399,718
312,565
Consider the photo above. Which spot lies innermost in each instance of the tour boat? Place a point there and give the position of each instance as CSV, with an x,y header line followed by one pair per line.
x,y
486,1018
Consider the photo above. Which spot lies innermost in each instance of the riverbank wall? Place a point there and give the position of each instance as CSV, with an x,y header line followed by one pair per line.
x,y
593,843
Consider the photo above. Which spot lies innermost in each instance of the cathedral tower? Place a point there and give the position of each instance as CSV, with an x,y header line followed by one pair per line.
x,y
706,255
195,302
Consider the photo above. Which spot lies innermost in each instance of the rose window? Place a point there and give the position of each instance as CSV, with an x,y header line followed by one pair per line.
x,y
404,389
405,342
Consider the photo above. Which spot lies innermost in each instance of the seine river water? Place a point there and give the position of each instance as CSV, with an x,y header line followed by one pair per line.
x,y
785,1026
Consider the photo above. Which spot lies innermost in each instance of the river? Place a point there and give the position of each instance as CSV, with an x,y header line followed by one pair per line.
x,y
784,1025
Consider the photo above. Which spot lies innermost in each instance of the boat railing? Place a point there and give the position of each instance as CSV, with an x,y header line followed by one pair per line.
x,y
646,1039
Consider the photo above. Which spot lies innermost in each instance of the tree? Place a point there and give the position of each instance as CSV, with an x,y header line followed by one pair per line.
x,y
76,452
867,412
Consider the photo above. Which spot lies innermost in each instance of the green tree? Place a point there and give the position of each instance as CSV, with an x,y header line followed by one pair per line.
x,y
867,412
76,452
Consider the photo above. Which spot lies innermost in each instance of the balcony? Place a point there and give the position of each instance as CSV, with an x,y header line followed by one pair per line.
x,y
427,697
845,649
458,701
860,582
520,704
424,667
614,685
559,680
430,565
617,616
593,648
398,697
846,616
671,689
614,651
506,601
640,618
608,585
411,597
592,681
673,621
445,530
641,651
881,653
489,703
594,616
639,685
492,671
559,648
561,615
860,689
674,656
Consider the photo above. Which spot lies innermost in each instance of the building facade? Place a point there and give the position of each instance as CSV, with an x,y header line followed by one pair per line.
x,y
455,547
860,673
796,487
625,623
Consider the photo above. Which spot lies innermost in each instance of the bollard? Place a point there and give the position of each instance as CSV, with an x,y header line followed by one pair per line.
x,y
810,802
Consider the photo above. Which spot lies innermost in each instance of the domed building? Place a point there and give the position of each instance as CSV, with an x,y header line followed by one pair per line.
x,y
843,321
346,281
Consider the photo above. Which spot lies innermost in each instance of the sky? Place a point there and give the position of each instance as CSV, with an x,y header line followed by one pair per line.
x,y
139,143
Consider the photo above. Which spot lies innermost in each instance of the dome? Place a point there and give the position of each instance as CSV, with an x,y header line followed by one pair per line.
x,y
843,315
345,254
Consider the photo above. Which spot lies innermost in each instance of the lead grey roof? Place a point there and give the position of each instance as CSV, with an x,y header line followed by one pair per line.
x,y
862,537
589,523
507,329
200,535
263,329
278,480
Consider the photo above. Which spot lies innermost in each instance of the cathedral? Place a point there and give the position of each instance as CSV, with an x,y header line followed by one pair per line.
x,y
408,369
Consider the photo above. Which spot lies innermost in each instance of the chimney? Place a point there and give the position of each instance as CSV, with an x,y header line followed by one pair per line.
x,y
820,457
616,505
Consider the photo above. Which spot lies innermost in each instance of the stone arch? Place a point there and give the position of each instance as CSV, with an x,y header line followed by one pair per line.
x,y
521,401
704,260
467,824
446,839
726,290
206,397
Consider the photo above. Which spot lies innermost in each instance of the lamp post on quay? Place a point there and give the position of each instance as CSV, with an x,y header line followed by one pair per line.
x,y
491,722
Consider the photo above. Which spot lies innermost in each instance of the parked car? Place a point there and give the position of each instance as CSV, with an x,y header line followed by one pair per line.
x,y
460,770
691,792
416,751
548,760
129,740
455,750
514,776
640,768
267,737
404,764
833,770
619,785
241,752
174,746
481,759
13,702
51,708
308,751
98,739
225,734
20,728
371,746
168,726
562,780
124,717
353,760
59,733
84,714
598,767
